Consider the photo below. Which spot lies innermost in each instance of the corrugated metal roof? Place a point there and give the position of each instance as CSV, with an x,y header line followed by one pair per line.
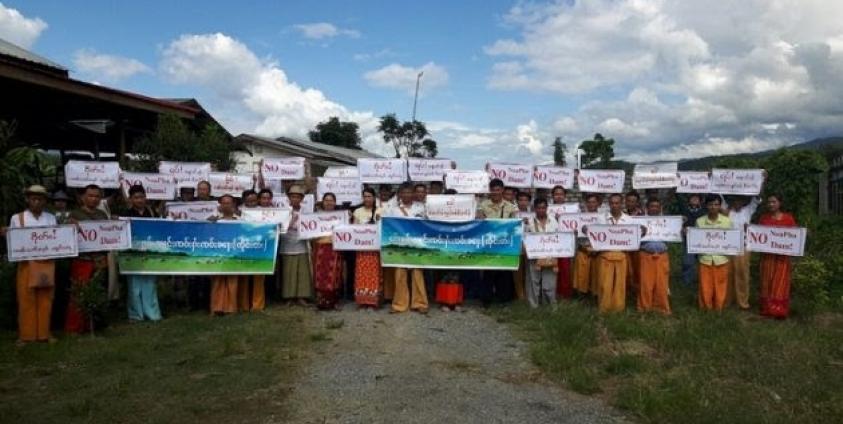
x,y
310,149
9,49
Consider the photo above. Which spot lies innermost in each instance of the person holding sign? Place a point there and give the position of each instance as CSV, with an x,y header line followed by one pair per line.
x,y
542,284
585,265
775,269
224,288
522,201
498,284
251,291
407,207
654,269
327,264
714,269
142,290
740,212
367,265
564,288
295,267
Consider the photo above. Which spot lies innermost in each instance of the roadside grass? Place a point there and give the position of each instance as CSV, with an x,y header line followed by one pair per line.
x,y
186,368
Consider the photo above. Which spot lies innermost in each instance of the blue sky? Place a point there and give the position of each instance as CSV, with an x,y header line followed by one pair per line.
x,y
666,78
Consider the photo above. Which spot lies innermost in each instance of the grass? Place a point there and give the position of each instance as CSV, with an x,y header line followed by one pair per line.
x,y
152,262
187,368
425,257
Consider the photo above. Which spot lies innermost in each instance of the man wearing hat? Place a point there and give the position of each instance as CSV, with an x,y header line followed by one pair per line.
x,y
35,279
60,202
296,280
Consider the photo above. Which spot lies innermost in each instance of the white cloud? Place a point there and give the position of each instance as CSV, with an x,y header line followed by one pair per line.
x,y
323,30
107,67
400,77
18,29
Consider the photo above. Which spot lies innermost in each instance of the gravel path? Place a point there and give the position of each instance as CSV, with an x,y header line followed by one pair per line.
x,y
443,367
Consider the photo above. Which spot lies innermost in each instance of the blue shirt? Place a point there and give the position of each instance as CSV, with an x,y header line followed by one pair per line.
x,y
654,246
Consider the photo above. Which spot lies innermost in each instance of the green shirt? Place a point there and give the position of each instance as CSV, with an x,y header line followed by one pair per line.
x,y
503,209
80,214
722,222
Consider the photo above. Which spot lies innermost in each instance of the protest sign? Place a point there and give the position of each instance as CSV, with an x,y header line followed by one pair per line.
x,y
80,173
341,172
694,182
165,247
547,176
345,189
320,224
279,216
382,171
156,186
288,168
787,241
601,180
451,207
102,236
556,210
715,241
186,174
550,245
512,174
231,184
525,215
421,169
365,237
614,237
422,243
575,222
192,211
655,175
308,204
467,182
38,243
746,182
661,228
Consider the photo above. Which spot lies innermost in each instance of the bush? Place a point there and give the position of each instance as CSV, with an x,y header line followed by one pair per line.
x,y
8,301
810,282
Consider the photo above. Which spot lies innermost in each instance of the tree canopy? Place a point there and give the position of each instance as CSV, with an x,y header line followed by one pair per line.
x,y
173,140
336,133
409,139
598,152
559,151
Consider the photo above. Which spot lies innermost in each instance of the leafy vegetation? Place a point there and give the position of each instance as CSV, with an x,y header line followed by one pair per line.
x,y
336,133
21,165
174,141
409,139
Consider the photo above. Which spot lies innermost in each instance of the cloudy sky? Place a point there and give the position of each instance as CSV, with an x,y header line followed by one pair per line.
x,y
667,79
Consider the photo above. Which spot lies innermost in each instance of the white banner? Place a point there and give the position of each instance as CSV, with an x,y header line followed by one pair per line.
x,y
557,210
157,186
308,204
341,172
467,182
715,241
550,245
346,189
745,182
451,207
187,174
357,237
79,173
512,174
192,211
575,222
694,182
35,243
601,180
788,241
320,224
382,171
232,184
421,169
655,175
100,236
547,176
280,216
525,215
614,237
661,228
289,168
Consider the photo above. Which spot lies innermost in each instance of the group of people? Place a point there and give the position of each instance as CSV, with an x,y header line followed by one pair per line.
x,y
312,272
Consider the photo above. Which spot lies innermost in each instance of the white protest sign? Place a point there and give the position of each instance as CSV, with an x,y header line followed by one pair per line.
x,y
79,173
745,182
512,174
421,169
382,171
694,182
36,243
156,186
192,211
345,189
655,175
467,182
100,236
525,215
661,228
601,180
550,245
451,207
187,174
575,222
280,216
308,204
715,241
231,184
357,237
320,224
290,168
547,176
555,210
341,172
788,241
614,237
275,186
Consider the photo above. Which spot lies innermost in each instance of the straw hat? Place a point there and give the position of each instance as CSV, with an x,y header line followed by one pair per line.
x,y
296,189
36,189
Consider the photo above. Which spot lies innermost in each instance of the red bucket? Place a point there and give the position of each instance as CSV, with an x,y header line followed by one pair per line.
x,y
449,294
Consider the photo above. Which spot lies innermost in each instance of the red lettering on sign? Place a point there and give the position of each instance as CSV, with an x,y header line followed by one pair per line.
x,y
88,235
309,225
601,237
758,237
343,236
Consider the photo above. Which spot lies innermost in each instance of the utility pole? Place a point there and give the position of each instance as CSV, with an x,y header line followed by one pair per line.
x,y
416,99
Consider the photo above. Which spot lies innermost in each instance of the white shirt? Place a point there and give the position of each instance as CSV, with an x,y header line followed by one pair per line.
x,y
46,219
744,216
624,219
550,226
415,210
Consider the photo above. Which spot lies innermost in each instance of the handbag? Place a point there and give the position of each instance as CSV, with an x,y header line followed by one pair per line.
x,y
40,274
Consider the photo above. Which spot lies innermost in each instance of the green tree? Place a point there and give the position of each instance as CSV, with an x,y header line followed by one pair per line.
x,y
336,133
559,151
173,140
409,139
795,174
20,166
598,152
737,162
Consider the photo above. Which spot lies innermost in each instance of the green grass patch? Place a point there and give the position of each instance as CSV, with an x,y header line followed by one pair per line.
x,y
194,265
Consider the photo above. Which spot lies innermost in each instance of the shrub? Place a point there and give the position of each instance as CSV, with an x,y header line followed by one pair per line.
x,y
810,285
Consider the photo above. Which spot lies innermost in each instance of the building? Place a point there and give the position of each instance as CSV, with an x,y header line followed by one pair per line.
x,y
320,156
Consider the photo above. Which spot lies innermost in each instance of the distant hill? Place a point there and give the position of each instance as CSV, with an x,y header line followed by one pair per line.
x,y
708,162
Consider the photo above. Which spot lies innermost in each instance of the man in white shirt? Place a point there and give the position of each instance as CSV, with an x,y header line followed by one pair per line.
x,y
407,207
740,210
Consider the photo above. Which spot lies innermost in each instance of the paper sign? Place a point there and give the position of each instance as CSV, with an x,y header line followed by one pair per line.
x,y
451,207
101,236
192,211
308,204
231,184
715,241
614,237
357,237
525,215
575,222
341,172
556,210
661,228
320,224
512,175
788,241
427,169
655,175
467,182
157,186
280,216
187,174
31,243
345,189
291,168
745,182
601,181
545,176
79,173
382,171
275,186
550,245
694,182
